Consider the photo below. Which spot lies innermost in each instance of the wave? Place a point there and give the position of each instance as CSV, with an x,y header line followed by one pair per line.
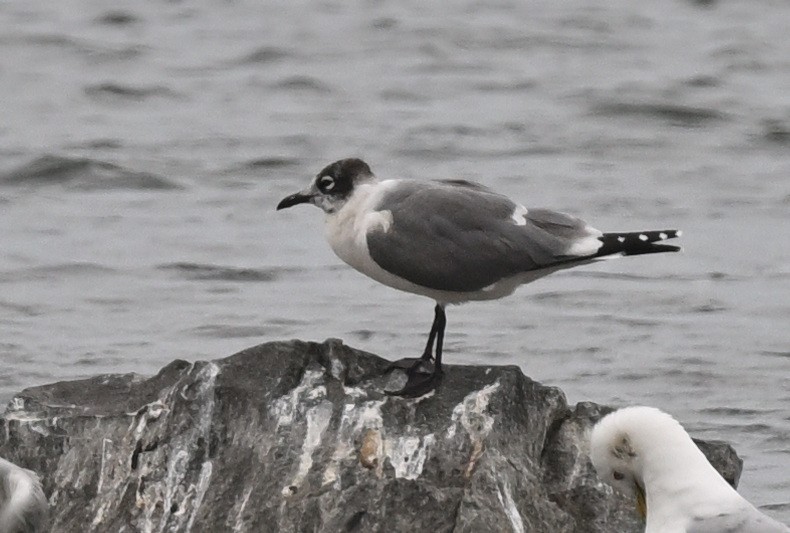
x,y
775,132
222,331
674,113
83,174
54,271
87,49
269,162
303,84
117,18
20,309
205,272
117,91
263,55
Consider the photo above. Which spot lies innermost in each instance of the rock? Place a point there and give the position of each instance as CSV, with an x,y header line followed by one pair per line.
x,y
296,436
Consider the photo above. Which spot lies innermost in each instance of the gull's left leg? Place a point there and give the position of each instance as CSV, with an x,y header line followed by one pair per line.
x,y
424,373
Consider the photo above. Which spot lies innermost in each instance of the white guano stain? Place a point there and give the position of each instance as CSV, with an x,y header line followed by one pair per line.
x,y
144,501
176,470
207,377
238,526
16,404
408,454
505,498
187,445
354,421
316,393
40,427
337,369
471,414
158,498
286,407
354,392
204,478
23,417
104,457
317,421
147,413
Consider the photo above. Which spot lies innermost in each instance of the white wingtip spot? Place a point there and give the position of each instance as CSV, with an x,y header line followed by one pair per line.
x,y
678,233
662,235
642,237
621,239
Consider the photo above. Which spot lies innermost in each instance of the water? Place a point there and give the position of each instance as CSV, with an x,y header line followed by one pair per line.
x,y
145,146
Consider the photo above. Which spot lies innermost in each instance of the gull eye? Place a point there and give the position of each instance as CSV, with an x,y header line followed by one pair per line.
x,y
326,183
618,475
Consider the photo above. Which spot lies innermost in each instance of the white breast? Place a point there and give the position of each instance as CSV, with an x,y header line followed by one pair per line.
x,y
347,230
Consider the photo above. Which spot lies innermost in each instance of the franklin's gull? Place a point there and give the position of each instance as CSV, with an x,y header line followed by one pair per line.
x,y
453,241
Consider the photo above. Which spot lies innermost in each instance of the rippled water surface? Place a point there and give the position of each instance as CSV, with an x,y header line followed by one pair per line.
x,y
144,148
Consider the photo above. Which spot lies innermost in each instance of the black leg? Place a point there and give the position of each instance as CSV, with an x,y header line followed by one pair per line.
x,y
439,321
424,373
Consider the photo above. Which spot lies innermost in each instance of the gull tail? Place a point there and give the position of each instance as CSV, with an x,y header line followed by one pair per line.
x,y
637,242
24,507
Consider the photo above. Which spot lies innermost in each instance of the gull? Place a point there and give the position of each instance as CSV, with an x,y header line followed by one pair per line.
x,y
453,241
23,506
647,454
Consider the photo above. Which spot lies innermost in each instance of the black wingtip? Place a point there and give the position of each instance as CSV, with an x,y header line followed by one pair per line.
x,y
638,242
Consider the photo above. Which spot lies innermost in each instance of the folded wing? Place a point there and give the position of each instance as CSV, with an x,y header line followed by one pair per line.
x,y
459,236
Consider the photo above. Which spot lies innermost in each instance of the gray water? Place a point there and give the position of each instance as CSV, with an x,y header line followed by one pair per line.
x,y
145,145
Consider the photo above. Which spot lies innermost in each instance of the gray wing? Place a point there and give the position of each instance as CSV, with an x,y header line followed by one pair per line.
x,y
748,520
460,236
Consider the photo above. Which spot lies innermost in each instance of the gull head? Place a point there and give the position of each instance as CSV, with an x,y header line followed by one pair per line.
x,y
333,186
647,454
617,449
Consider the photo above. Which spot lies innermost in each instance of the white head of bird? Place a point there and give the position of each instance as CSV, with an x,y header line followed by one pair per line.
x,y
647,455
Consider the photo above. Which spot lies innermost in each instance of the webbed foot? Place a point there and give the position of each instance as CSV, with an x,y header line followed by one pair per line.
x,y
421,377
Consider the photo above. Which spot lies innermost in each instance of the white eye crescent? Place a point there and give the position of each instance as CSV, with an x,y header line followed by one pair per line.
x,y
327,182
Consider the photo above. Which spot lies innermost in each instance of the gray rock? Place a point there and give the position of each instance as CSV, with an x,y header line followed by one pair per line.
x,y
296,436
